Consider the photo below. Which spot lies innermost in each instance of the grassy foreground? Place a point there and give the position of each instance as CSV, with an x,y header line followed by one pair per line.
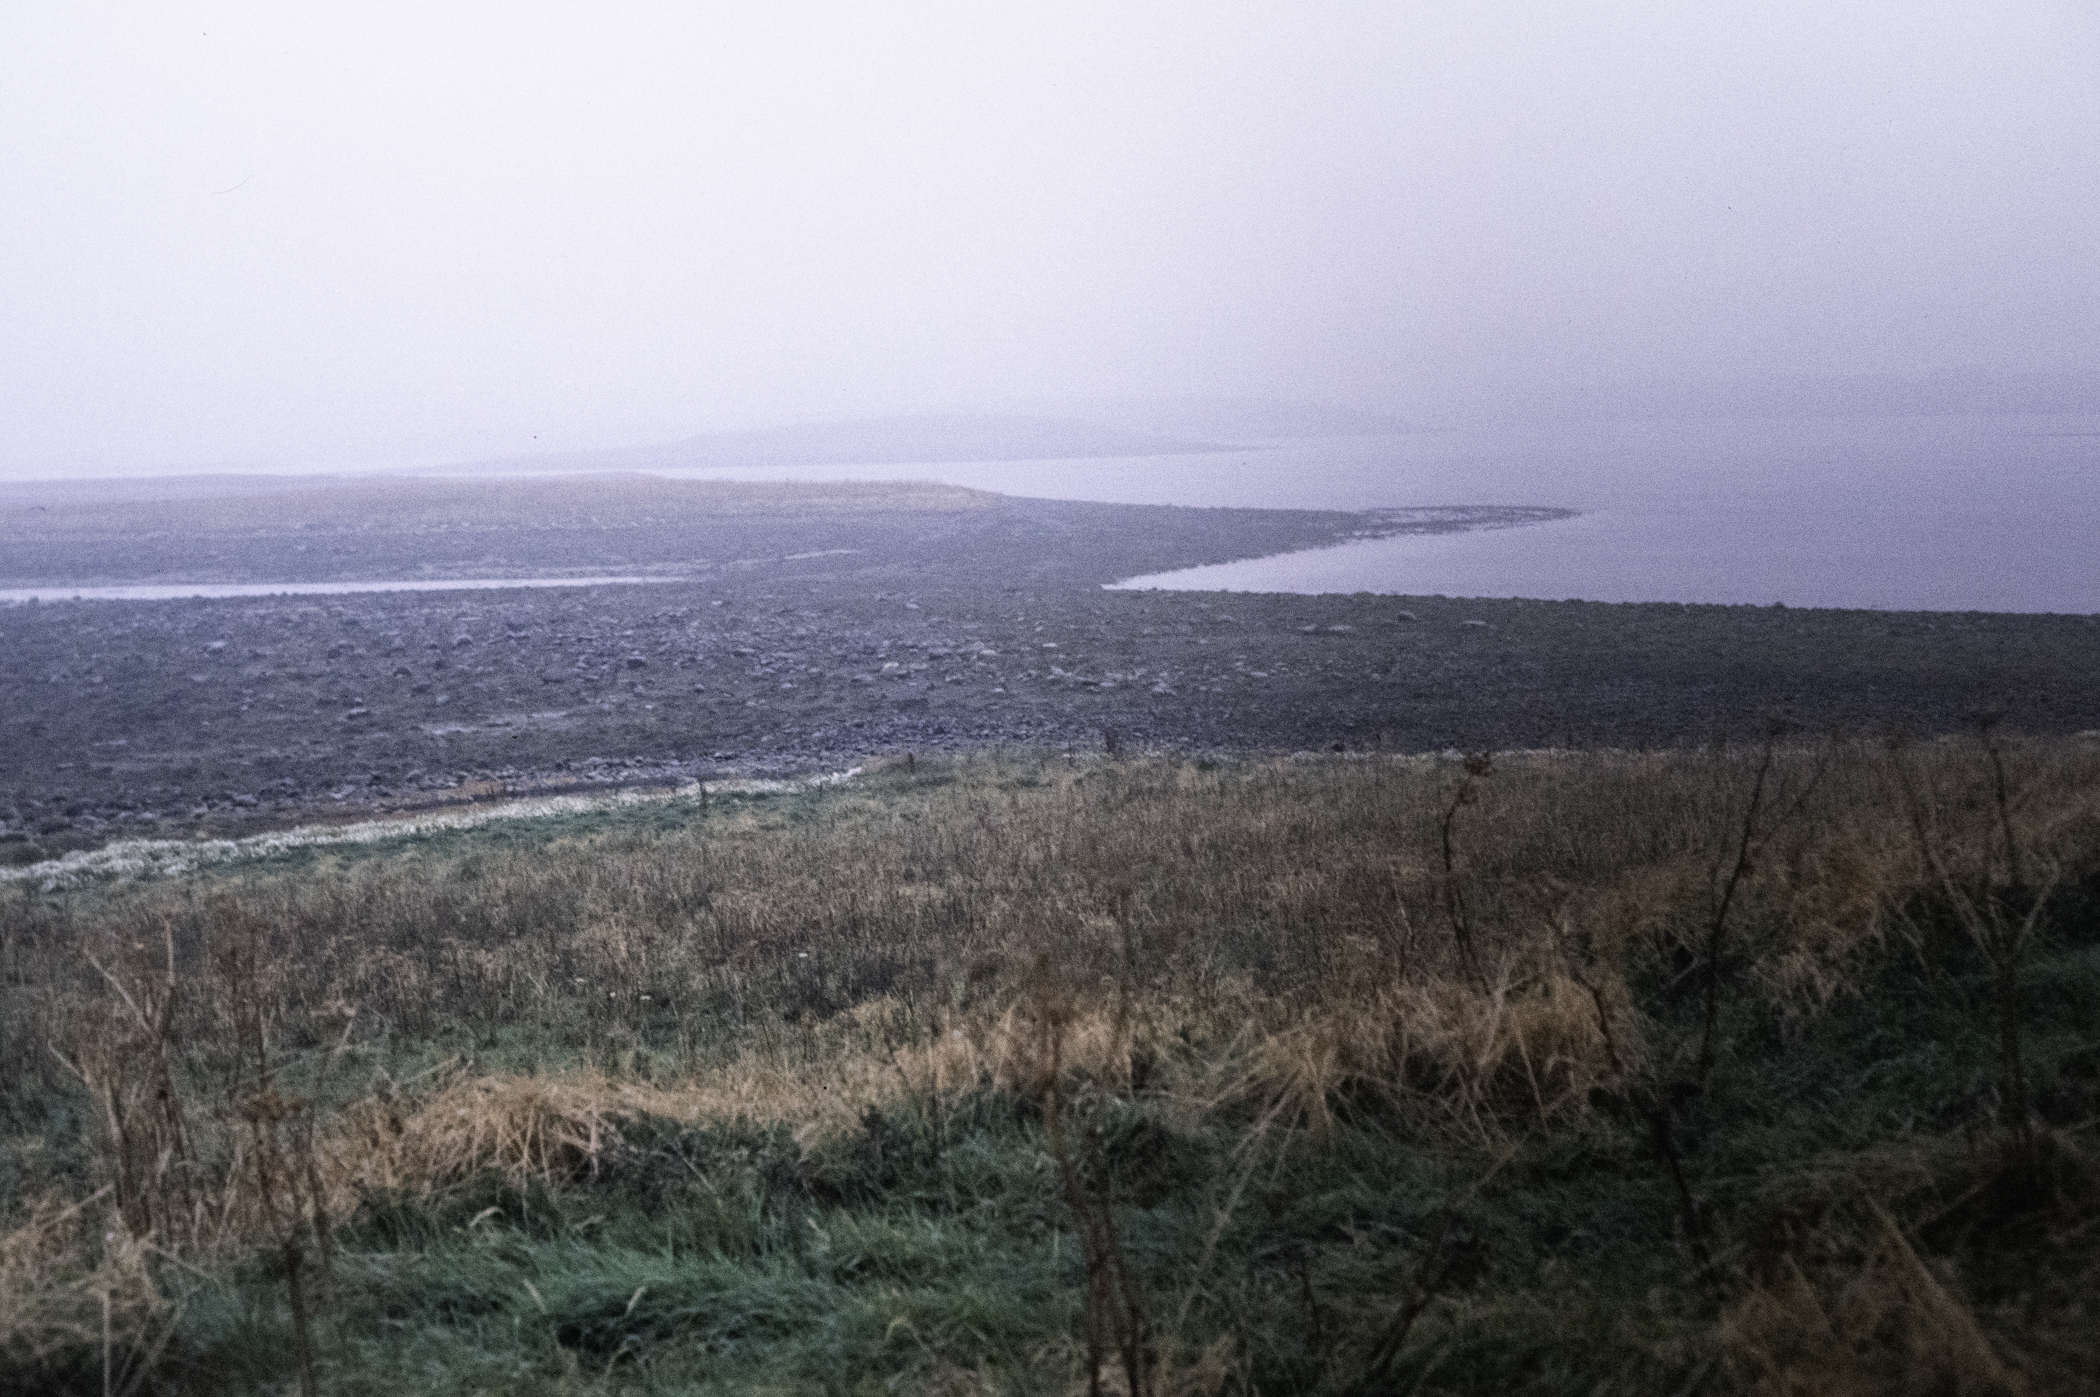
x,y
1773,1069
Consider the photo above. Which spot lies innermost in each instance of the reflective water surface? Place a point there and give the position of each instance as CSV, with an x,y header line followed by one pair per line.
x,y
1988,513
1994,513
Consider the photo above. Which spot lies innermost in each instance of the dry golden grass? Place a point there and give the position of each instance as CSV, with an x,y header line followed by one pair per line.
x,y
1884,1325
1278,941
1292,917
63,1288
558,1127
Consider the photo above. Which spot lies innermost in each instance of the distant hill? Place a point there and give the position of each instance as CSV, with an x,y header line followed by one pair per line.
x,y
1952,393
867,441
1234,419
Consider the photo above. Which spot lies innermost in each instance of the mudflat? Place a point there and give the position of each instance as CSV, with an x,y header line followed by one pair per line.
x,y
795,627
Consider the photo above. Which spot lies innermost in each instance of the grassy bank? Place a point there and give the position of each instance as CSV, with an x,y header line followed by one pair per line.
x,y
1768,1069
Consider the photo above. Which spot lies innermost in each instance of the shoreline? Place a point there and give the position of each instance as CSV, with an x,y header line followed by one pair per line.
x,y
832,623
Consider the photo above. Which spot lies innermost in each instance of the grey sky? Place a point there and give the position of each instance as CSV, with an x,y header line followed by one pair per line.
x,y
270,234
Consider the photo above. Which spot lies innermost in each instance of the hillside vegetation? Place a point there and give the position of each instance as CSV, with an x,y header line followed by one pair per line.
x,y
1766,1069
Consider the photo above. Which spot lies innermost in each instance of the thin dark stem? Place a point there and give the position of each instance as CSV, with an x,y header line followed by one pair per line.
x,y
1111,1295
1477,765
1665,1141
1435,1272
2003,798
1999,925
1716,938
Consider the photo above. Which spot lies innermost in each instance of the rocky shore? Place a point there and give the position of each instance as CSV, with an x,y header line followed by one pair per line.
x,y
940,629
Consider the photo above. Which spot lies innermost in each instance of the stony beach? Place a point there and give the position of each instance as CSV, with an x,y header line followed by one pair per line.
x,y
800,629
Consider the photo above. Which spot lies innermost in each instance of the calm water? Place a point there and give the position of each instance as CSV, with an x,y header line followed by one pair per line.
x,y
1953,513
165,591
1938,513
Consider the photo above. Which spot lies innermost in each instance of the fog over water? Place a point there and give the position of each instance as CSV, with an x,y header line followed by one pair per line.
x,y
1603,251
1998,512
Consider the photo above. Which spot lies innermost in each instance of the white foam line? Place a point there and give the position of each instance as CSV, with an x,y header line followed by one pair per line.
x,y
169,858
186,591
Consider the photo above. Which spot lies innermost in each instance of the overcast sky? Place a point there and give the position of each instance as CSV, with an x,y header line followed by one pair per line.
x,y
283,234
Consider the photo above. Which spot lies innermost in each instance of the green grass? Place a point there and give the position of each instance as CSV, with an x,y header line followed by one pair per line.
x,y
1282,1204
